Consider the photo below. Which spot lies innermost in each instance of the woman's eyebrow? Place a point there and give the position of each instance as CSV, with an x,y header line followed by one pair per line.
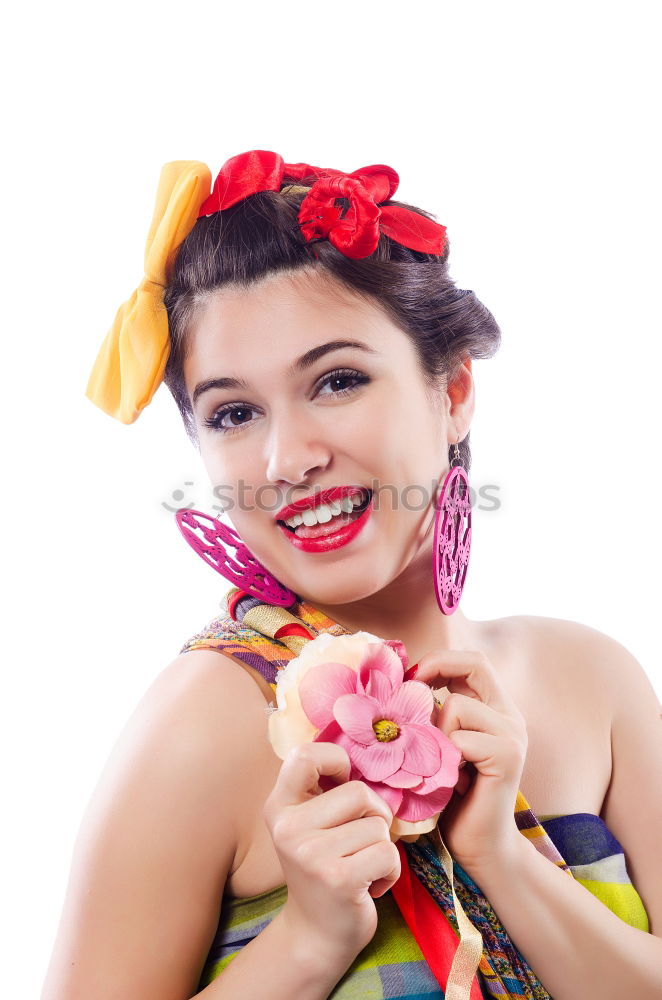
x,y
306,360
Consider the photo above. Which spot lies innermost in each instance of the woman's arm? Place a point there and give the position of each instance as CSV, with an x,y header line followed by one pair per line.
x,y
155,846
280,963
575,944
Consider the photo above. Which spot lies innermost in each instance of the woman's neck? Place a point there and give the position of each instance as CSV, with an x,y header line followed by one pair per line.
x,y
407,609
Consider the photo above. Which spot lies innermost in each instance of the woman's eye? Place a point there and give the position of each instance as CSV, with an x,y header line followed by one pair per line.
x,y
217,420
346,375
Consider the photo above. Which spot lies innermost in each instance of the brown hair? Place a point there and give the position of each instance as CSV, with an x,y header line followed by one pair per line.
x,y
260,235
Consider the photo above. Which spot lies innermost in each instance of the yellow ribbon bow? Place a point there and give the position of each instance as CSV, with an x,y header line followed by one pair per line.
x,y
131,361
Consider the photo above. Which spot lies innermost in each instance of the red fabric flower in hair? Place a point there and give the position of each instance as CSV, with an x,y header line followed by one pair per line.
x,y
355,232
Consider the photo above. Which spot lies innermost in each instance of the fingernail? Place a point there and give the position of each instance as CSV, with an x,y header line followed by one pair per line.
x,y
411,672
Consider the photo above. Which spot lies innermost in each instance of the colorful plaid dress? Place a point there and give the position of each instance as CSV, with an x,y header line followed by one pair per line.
x,y
392,965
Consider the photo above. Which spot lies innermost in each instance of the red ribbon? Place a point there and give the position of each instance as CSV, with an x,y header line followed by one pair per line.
x,y
293,629
353,230
427,922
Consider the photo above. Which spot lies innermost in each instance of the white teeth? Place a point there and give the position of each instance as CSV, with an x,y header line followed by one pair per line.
x,y
325,511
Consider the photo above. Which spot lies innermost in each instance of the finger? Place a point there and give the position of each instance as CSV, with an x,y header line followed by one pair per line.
x,y
378,863
357,834
298,777
461,712
466,672
346,802
493,756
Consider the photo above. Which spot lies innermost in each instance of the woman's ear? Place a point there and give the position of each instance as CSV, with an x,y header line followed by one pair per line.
x,y
461,398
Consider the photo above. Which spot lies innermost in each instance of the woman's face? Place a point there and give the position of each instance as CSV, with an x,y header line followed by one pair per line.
x,y
353,416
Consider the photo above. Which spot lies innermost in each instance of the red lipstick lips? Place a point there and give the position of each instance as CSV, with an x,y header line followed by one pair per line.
x,y
324,496
325,543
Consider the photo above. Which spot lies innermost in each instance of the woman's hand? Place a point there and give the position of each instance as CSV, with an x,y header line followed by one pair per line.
x,y
485,724
334,847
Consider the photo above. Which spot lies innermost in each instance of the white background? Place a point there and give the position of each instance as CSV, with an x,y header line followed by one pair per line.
x,y
530,131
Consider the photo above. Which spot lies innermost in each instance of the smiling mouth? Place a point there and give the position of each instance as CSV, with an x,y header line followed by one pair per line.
x,y
320,529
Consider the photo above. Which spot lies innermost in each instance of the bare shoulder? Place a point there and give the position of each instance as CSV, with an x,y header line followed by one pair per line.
x,y
203,716
545,627
208,687
579,670
572,649
159,836
584,660
566,676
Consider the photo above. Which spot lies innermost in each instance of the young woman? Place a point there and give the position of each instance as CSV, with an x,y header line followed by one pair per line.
x,y
305,323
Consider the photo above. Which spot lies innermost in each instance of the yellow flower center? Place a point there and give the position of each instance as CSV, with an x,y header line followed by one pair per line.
x,y
385,730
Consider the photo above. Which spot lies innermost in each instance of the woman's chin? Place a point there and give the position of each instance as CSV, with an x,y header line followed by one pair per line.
x,y
341,593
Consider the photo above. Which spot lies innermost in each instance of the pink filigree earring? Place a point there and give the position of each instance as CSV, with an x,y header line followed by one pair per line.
x,y
244,570
452,536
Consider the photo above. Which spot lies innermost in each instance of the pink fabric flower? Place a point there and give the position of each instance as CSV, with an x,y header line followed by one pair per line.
x,y
383,722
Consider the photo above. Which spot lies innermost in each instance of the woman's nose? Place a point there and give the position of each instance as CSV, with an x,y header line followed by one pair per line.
x,y
295,451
